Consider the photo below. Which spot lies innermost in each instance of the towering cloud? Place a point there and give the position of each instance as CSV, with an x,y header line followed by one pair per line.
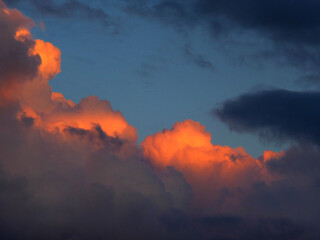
x,y
215,172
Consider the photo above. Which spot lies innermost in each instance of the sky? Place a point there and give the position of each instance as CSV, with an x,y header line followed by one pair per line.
x,y
162,119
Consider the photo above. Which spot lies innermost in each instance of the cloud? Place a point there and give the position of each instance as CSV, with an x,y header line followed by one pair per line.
x,y
278,114
281,115
281,187
75,171
215,173
16,64
297,161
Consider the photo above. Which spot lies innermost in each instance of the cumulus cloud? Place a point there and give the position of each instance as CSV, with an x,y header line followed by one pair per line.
x,y
281,187
216,173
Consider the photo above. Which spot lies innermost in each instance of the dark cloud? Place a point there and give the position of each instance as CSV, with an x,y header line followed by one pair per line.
x,y
244,229
297,162
293,27
15,62
275,113
96,135
290,21
27,121
53,190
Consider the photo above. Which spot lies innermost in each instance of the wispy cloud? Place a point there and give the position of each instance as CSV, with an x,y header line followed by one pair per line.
x,y
198,59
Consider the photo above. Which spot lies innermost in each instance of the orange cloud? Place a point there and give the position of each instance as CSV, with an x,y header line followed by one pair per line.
x,y
50,59
56,114
187,147
50,111
49,54
207,167
22,34
90,111
268,155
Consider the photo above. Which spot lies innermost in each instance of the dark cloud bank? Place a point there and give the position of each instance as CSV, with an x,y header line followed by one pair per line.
x,y
292,27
